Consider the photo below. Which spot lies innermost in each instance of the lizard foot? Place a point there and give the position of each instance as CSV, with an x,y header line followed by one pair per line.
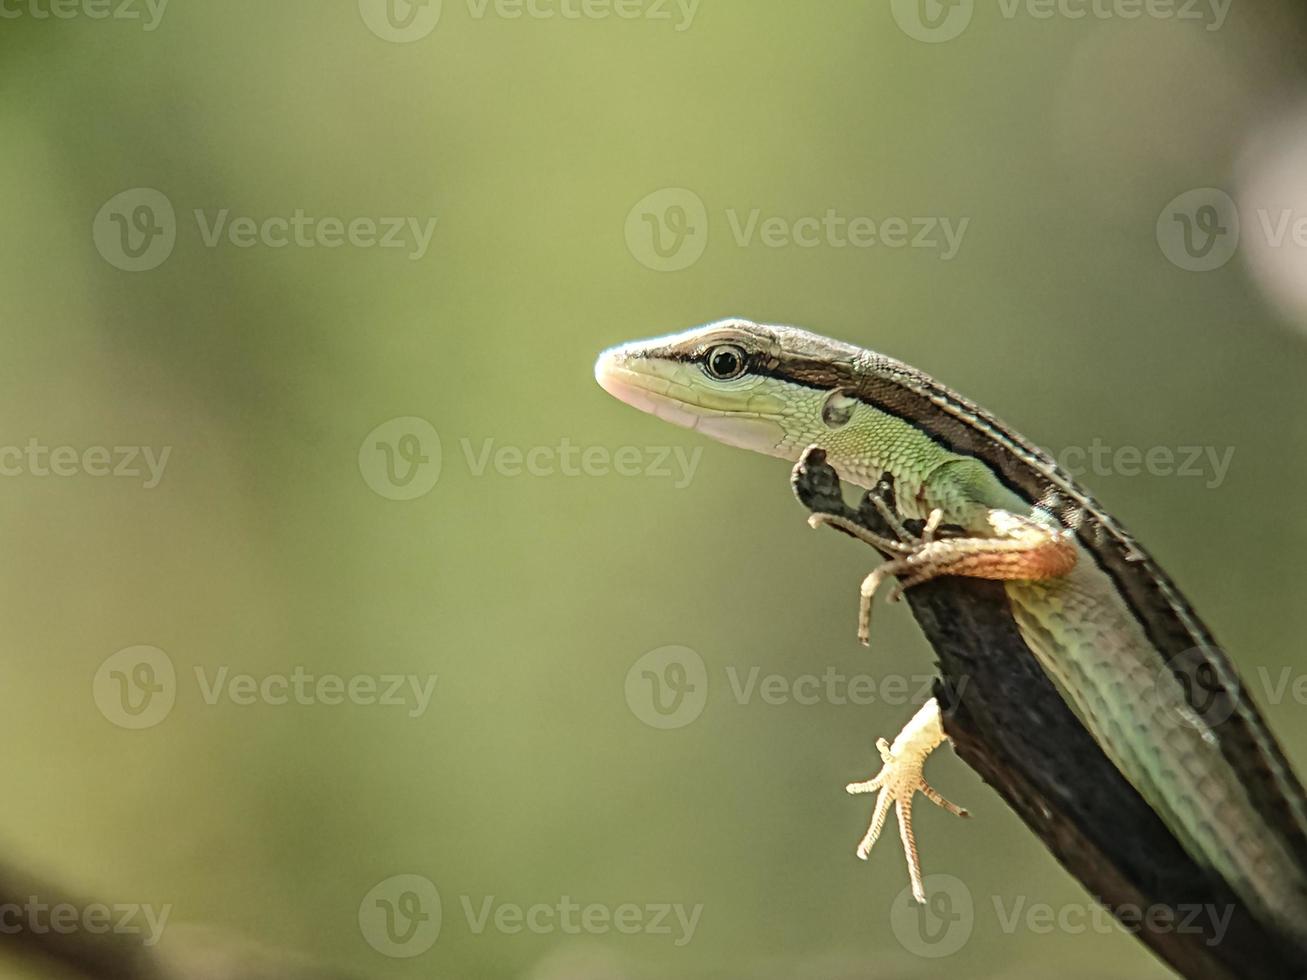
x,y
899,779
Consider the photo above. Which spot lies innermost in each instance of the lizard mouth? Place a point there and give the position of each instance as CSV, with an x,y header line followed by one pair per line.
x,y
644,391
649,385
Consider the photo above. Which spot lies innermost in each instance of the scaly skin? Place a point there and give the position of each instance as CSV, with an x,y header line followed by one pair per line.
x,y
1118,639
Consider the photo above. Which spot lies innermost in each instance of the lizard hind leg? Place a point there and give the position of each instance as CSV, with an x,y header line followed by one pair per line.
x,y
899,778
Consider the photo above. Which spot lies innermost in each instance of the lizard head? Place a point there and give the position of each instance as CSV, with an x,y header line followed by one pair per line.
x,y
774,390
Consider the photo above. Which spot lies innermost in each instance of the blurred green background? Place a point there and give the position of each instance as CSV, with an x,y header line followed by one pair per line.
x,y
272,539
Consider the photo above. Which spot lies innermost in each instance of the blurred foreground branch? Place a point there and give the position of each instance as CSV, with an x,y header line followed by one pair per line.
x,y
107,953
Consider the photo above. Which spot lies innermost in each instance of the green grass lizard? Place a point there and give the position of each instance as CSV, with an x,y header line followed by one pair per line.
x,y
1120,642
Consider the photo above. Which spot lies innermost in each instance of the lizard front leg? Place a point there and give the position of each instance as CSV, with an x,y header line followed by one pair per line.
x,y
1018,548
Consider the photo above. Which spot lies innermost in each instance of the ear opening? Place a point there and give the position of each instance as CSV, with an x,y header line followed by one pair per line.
x,y
838,408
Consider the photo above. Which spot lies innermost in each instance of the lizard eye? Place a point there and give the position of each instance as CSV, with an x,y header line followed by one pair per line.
x,y
724,362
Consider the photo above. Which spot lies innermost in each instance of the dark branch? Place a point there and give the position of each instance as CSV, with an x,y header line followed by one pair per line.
x,y
1008,722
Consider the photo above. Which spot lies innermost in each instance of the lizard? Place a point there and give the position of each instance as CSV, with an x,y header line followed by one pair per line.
x,y
1115,635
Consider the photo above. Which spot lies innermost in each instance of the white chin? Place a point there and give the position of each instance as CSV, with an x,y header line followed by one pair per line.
x,y
744,432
